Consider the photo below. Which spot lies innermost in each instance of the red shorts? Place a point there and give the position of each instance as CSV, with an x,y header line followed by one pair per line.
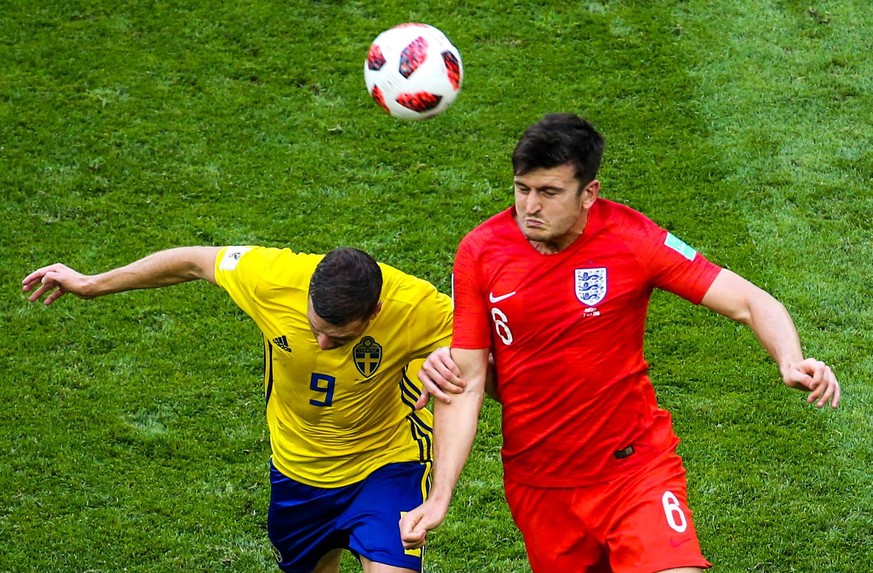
x,y
639,522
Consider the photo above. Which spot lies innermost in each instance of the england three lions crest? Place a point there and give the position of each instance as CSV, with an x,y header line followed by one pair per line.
x,y
367,356
591,285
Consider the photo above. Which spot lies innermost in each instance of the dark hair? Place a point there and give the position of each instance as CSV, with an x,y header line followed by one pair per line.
x,y
345,286
558,139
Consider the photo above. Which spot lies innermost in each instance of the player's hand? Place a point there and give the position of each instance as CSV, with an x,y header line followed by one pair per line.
x,y
56,280
440,376
815,377
415,524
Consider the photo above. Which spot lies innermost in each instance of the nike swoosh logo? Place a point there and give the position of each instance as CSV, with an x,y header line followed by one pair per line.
x,y
494,299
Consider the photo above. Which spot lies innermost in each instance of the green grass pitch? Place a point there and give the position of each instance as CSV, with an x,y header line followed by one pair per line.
x,y
132,436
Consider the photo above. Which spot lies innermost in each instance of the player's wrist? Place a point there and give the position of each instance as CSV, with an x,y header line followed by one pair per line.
x,y
439,497
92,286
788,370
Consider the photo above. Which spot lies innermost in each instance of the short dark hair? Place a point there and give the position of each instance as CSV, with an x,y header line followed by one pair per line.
x,y
558,139
345,286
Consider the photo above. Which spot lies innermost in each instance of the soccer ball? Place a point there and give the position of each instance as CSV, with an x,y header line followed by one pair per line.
x,y
413,71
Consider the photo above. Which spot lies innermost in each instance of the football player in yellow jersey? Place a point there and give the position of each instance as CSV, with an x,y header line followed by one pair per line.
x,y
352,446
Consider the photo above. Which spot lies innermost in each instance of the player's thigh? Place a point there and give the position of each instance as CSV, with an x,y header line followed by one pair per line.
x,y
372,520
373,567
651,529
330,562
302,523
557,537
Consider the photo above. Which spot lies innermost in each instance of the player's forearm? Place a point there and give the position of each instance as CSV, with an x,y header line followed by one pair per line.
x,y
160,269
775,329
455,424
454,430
738,299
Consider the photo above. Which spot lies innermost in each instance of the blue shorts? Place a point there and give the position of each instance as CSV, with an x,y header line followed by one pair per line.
x,y
305,522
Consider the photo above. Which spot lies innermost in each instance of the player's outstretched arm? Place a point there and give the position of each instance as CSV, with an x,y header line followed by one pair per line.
x,y
739,299
163,268
454,429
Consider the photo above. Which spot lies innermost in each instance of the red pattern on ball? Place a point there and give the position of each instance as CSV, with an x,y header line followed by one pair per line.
x,y
413,56
375,59
453,68
379,98
419,101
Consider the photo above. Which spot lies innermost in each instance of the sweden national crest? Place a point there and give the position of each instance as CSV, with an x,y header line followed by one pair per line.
x,y
367,355
591,285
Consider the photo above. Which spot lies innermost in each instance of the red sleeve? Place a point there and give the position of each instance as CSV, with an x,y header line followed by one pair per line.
x,y
676,267
471,327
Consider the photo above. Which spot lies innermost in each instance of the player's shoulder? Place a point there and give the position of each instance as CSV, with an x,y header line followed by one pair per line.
x,y
625,213
271,263
499,226
395,280
623,219
403,288
272,255
495,223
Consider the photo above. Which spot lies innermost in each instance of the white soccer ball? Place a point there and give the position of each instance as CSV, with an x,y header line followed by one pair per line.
x,y
413,71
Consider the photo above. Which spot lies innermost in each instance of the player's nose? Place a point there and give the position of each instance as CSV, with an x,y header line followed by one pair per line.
x,y
532,203
324,341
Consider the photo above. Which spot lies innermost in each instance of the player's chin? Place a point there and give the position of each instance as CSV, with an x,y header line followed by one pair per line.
x,y
540,234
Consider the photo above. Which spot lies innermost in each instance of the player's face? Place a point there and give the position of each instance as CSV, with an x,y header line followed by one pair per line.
x,y
550,210
331,336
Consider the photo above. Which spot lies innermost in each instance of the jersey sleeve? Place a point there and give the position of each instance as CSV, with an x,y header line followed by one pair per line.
x,y
676,267
471,328
435,329
238,271
416,312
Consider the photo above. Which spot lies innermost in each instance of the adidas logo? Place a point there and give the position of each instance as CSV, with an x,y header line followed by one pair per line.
x,y
282,342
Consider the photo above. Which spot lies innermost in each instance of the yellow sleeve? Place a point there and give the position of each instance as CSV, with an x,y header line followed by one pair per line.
x,y
429,334
238,270
427,313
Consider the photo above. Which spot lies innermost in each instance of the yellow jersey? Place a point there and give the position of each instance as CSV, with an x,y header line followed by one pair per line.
x,y
337,415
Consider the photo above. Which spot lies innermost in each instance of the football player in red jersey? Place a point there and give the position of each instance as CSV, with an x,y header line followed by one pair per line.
x,y
556,289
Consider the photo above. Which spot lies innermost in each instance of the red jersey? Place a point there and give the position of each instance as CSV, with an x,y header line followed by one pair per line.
x,y
566,331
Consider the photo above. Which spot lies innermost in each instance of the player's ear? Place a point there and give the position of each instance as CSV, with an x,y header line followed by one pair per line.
x,y
378,309
590,193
